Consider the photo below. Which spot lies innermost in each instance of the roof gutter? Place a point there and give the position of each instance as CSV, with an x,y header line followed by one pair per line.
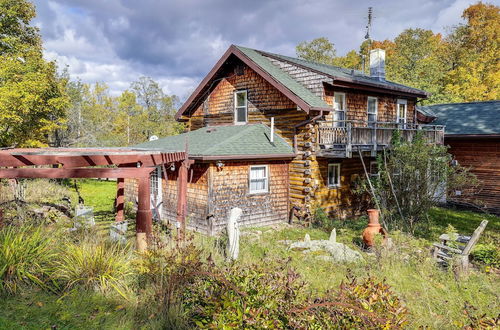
x,y
305,122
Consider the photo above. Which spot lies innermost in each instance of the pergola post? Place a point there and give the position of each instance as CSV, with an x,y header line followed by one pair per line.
x,y
120,199
182,198
144,217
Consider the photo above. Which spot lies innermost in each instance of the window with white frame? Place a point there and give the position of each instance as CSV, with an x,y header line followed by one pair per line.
x,y
258,181
372,108
339,107
401,108
240,107
333,175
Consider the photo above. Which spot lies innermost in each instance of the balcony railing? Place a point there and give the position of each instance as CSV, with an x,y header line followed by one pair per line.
x,y
337,137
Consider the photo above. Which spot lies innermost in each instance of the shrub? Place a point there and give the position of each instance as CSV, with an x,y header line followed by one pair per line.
x,y
321,219
93,265
164,272
487,254
259,296
412,178
25,253
255,296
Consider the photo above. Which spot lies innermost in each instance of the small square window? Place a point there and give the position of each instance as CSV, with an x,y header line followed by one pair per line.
x,y
258,180
240,107
333,175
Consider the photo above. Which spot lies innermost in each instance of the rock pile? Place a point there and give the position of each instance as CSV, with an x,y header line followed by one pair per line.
x,y
338,252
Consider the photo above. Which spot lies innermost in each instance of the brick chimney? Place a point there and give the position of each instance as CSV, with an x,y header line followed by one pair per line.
x,y
377,64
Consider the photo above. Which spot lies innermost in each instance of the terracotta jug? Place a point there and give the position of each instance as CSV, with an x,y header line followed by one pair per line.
x,y
373,228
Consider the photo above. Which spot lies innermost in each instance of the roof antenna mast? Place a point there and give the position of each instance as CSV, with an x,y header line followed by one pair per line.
x,y
367,35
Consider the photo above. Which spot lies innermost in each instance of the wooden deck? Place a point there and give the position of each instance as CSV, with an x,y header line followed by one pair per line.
x,y
339,138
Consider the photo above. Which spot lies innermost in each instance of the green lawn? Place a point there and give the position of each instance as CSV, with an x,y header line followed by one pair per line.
x,y
435,297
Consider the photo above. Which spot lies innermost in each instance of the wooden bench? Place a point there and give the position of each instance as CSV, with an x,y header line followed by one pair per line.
x,y
444,253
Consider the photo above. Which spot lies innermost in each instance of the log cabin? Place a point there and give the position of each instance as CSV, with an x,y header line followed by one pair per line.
x,y
280,137
473,137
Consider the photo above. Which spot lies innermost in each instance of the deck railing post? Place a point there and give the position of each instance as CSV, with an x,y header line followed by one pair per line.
x,y
348,147
374,140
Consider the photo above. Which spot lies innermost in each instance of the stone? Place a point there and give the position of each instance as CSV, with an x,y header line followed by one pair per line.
x,y
338,252
341,253
333,236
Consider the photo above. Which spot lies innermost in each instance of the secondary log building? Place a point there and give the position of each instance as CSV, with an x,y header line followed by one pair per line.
x,y
276,136
473,135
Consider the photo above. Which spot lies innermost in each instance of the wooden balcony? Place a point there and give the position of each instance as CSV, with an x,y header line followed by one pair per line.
x,y
342,138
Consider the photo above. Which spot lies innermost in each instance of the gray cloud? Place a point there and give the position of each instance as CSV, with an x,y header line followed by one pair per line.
x,y
177,42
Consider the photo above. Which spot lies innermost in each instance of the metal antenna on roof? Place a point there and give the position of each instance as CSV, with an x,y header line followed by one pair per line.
x,y
367,36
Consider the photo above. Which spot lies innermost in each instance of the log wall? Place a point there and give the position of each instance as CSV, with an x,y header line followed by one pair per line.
x,y
483,157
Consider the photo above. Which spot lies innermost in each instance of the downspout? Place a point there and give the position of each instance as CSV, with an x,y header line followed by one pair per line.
x,y
295,147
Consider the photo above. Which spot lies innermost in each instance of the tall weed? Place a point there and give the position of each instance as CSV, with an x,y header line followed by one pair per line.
x,y
93,265
25,255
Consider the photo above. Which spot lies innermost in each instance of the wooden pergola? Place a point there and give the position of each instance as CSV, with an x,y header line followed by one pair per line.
x,y
118,163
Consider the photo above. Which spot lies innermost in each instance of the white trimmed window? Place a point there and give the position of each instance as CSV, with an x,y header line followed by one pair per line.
x,y
240,107
258,181
401,108
339,107
372,109
333,175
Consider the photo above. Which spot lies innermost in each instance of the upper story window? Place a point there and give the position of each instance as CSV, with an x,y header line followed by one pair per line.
x,y
333,175
339,107
258,180
240,107
372,108
401,108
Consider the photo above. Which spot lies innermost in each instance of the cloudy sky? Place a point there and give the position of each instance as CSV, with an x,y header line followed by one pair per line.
x,y
177,42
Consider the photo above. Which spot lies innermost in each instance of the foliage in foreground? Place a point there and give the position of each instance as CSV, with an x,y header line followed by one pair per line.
x,y
191,292
25,255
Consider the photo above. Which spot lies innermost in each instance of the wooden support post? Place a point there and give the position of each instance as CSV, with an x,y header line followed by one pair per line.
x,y
348,146
182,199
120,199
144,217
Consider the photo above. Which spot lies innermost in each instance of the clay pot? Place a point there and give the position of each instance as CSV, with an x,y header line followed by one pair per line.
x,y
373,228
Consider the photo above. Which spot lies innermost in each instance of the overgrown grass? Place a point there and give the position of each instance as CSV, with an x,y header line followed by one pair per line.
x,y
25,256
93,265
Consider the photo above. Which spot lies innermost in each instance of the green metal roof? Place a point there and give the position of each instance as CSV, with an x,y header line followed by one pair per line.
x,y
284,78
338,72
224,141
466,118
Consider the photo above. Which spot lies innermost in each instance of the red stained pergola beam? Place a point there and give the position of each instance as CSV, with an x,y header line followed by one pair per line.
x,y
61,173
11,158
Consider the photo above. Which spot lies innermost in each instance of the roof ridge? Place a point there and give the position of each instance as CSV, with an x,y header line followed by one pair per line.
x,y
304,60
